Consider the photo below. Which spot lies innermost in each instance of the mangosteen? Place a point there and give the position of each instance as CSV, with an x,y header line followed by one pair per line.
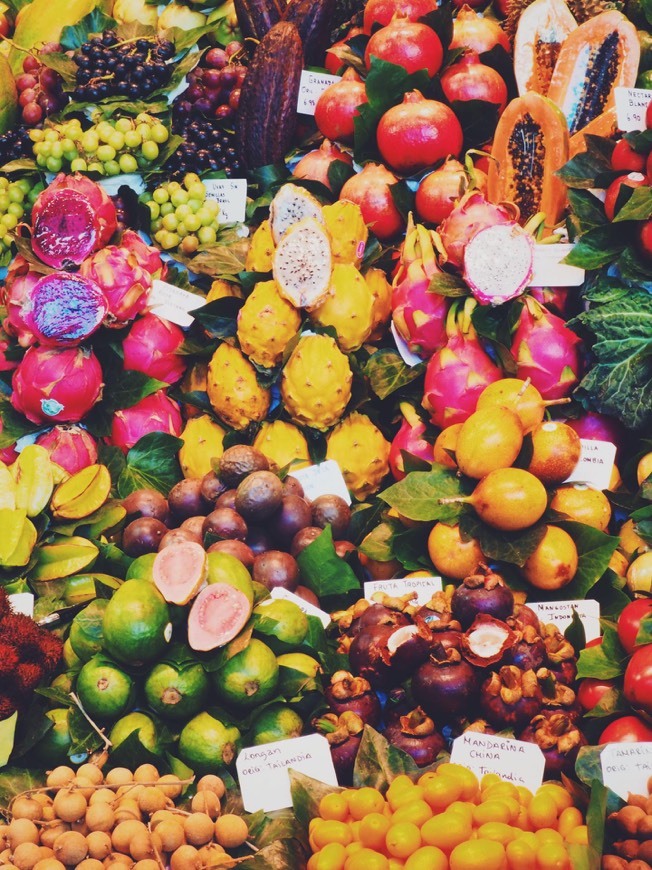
x,y
294,515
259,539
276,568
557,696
185,498
237,549
238,461
146,503
416,734
380,614
510,698
529,651
307,595
487,641
445,686
303,538
225,523
226,499
482,592
344,734
480,726
386,654
347,692
559,738
142,536
293,486
259,496
211,488
445,630
178,536
333,511
524,615
398,704
560,654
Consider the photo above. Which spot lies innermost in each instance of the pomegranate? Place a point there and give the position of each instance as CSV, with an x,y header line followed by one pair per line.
x,y
315,164
20,280
482,592
644,238
416,734
369,188
152,347
439,191
332,62
445,686
70,447
409,439
382,11
155,413
347,692
477,32
510,698
408,44
126,284
470,79
472,213
418,133
337,107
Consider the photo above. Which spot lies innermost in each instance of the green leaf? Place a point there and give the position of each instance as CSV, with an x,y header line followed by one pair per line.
x,y
323,571
587,767
386,83
512,547
588,208
114,459
595,821
151,462
644,634
284,854
606,661
441,21
638,207
16,780
610,703
219,318
131,753
14,425
306,794
417,495
84,739
582,170
594,549
62,64
387,372
410,548
597,247
445,284
378,762
75,35
575,633
128,389
402,197
379,543
364,518
339,172
478,119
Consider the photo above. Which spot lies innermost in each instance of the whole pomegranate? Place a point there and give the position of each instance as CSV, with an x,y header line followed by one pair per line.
x,y
409,44
382,11
418,133
337,107
369,188
155,413
332,62
470,79
477,32
315,164
439,191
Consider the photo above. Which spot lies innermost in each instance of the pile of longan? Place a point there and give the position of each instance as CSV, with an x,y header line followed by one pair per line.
x,y
631,832
90,821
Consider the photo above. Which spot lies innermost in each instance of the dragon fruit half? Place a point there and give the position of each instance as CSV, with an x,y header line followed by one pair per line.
x,y
152,348
63,309
70,447
459,372
20,280
546,351
409,439
472,214
56,384
498,263
147,256
155,413
125,283
71,218
418,314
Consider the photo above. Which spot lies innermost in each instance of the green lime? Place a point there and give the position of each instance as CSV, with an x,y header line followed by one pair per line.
x,y
105,691
79,588
223,568
86,629
141,568
64,682
276,722
281,620
70,658
52,748
297,674
137,625
250,677
176,692
139,722
207,745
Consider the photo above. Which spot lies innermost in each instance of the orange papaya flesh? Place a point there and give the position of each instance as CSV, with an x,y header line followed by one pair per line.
x,y
605,125
542,28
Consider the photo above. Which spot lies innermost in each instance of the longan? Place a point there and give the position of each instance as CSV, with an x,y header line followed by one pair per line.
x,y
70,805
85,785
211,854
90,864
49,814
100,817
146,773
91,772
211,782
102,796
50,834
81,827
26,855
49,864
99,845
206,802
60,776
231,831
123,833
141,847
70,848
116,861
151,799
146,864
162,816
43,799
127,809
46,853
171,834
22,831
26,808
170,786
119,776
4,836
198,828
184,858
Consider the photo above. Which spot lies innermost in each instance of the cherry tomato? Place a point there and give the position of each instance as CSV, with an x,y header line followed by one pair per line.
x,y
629,622
626,729
638,679
648,115
590,691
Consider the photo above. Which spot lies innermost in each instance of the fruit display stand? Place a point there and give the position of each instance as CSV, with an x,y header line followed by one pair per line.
x,y
325,395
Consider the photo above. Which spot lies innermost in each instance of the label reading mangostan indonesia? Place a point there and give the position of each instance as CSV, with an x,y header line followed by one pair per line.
x,y
549,271
307,608
425,587
631,105
173,304
626,767
561,614
263,770
513,760
311,87
231,193
325,478
595,465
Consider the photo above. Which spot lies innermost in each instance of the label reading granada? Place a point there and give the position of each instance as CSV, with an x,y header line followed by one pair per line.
x,y
425,587
305,606
631,105
231,193
173,304
311,87
561,614
325,478
626,767
549,271
263,770
595,465
515,761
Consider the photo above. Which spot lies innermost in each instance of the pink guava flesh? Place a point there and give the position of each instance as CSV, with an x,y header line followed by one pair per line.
x,y
65,309
217,615
64,231
179,570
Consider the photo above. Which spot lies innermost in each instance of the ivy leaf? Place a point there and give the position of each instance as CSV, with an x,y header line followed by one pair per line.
x,y
379,543
114,459
75,35
512,547
597,247
387,372
605,661
582,170
151,463
417,495
386,83
339,172
219,318
323,571
587,208
16,780
128,389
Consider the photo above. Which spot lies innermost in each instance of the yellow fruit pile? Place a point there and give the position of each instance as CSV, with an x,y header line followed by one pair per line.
x,y
447,820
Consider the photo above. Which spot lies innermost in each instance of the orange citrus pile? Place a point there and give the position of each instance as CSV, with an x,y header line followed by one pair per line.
x,y
447,820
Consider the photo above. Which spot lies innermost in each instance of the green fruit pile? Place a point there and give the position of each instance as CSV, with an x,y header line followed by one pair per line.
x,y
181,215
16,200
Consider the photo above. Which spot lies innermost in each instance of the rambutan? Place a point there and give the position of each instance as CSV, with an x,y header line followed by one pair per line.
x,y
28,676
51,650
8,658
5,604
7,706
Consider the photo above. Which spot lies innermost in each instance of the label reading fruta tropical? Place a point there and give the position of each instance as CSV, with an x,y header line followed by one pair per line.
x,y
311,87
515,761
425,587
626,767
173,304
325,478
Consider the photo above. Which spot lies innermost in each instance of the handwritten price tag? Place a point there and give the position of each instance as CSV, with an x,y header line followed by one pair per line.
x,y
631,105
325,478
561,614
549,271
513,760
307,608
231,193
173,304
595,464
626,767
425,587
311,87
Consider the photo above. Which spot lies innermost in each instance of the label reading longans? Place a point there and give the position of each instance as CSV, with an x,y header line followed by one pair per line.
x,y
626,767
561,614
263,770
515,761
311,87
409,358
307,608
631,105
173,304
425,587
595,464
231,193
325,478
549,271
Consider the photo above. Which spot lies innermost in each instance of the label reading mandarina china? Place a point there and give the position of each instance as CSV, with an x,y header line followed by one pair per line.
x,y
425,587
325,478
595,465
631,105
311,87
263,770
561,614
515,761
231,193
305,606
173,304
626,767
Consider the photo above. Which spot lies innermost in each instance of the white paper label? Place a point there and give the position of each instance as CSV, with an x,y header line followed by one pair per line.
x,y
263,770
513,760
305,606
631,105
626,767
409,358
561,614
231,193
325,478
172,303
7,735
548,271
595,465
425,587
22,602
311,87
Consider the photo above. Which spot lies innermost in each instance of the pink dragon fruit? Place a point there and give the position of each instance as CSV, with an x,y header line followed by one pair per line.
x,y
409,439
556,299
125,283
472,213
6,364
63,309
20,280
599,427
56,384
70,447
71,218
459,372
152,348
155,413
498,263
418,315
147,256
546,351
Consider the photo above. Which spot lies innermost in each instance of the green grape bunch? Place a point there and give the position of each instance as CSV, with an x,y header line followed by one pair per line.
x,y
182,216
16,201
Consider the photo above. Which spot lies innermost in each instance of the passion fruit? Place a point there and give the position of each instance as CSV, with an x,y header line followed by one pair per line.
x,y
259,496
225,522
238,461
238,549
555,452
185,498
554,562
294,514
451,554
276,568
584,505
142,536
489,439
331,510
146,503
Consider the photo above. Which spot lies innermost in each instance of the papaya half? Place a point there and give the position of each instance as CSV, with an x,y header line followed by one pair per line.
x,y
542,29
604,125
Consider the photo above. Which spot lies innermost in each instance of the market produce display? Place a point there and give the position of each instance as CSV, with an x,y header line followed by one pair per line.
x,y
324,422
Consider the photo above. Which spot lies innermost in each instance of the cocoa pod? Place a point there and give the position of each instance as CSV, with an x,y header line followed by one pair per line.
x,y
257,17
267,111
312,19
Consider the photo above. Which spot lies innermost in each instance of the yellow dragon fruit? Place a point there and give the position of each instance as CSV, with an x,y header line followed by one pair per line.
x,y
233,390
316,382
266,323
202,442
282,443
361,451
291,205
261,249
349,307
348,231
193,381
381,290
220,289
